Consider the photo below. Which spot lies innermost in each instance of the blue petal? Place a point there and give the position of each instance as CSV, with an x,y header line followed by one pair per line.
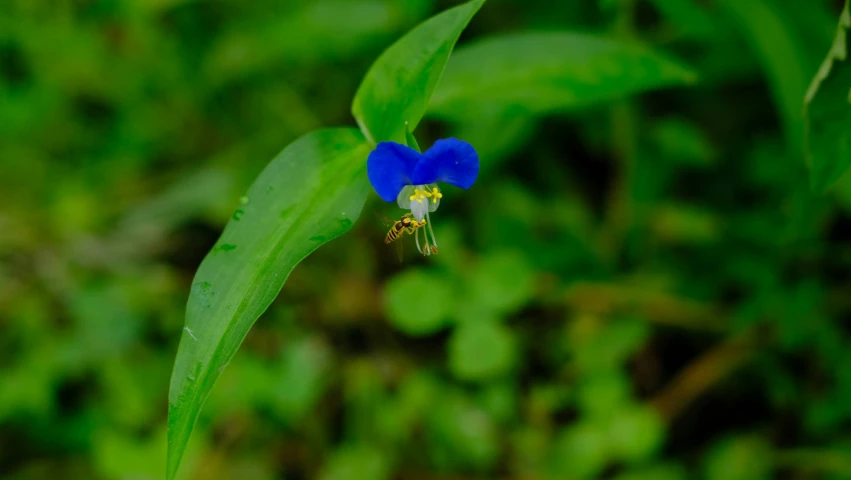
x,y
451,160
390,167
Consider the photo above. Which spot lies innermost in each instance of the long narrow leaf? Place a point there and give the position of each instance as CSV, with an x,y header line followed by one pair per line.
x,y
312,192
399,84
542,72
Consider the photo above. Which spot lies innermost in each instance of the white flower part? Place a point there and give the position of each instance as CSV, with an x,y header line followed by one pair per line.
x,y
419,200
403,199
419,207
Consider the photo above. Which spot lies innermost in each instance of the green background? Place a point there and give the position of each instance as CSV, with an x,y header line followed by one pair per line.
x,y
643,288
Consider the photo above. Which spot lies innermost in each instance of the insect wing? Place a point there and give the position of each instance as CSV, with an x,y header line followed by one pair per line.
x,y
385,220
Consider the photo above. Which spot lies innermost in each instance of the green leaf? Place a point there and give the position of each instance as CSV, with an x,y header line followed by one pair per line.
x,y
418,302
665,471
459,434
398,86
481,350
300,378
739,458
689,18
828,112
678,140
357,462
635,433
602,393
543,72
303,32
410,139
312,192
502,282
579,451
781,54
605,347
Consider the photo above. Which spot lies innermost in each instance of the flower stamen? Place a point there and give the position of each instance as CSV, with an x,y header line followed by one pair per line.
x,y
420,195
433,238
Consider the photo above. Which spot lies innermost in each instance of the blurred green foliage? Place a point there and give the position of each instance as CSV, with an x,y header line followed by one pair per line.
x,y
642,288
827,121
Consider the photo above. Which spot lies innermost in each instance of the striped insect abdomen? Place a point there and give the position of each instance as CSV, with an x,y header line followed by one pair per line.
x,y
394,232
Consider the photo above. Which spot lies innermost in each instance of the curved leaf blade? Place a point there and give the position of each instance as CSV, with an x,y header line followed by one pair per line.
x,y
780,52
827,112
398,86
543,72
312,192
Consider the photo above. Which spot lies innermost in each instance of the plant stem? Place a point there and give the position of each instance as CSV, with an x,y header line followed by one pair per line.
x,y
624,141
704,372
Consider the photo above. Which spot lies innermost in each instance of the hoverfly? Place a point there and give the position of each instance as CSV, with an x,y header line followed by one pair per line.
x,y
407,224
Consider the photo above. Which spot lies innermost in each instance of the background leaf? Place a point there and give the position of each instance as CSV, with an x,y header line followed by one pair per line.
x,y
543,72
828,112
779,50
399,84
402,293
481,350
312,192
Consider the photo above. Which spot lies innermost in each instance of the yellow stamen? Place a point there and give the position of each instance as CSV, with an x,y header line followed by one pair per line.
x,y
419,195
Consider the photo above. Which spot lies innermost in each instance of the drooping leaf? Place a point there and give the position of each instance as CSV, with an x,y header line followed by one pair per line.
x,y
542,72
312,192
398,86
828,112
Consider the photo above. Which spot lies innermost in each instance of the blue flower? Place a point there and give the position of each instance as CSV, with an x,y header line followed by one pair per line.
x,y
392,166
398,172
